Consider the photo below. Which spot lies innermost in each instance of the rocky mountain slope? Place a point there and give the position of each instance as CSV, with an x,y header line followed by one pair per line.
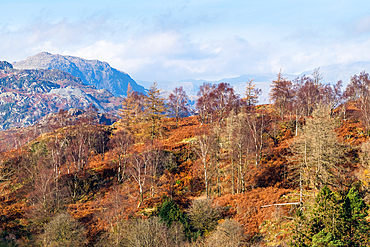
x,y
92,72
28,95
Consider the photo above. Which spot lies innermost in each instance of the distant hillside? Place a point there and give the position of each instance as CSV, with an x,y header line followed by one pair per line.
x,y
28,95
92,72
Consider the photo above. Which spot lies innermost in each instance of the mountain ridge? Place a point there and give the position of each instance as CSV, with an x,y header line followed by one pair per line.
x,y
28,95
331,74
92,72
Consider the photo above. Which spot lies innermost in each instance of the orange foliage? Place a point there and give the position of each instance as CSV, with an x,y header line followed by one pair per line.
x,y
246,208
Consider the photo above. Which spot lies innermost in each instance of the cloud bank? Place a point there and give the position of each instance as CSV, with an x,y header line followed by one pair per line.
x,y
169,45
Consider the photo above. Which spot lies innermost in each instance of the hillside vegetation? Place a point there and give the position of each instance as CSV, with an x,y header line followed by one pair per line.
x,y
291,173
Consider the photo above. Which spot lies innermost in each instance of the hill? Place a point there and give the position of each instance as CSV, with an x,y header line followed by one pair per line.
x,y
237,174
91,72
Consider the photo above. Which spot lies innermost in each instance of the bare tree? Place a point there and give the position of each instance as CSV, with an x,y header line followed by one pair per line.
x,y
281,94
203,147
178,101
121,142
205,102
139,170
203,215
256,124
228,233
215,102
240,145
225,100
151,232
63,230
359,90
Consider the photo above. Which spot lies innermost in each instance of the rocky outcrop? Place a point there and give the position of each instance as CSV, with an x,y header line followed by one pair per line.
x,y
28,95
92,72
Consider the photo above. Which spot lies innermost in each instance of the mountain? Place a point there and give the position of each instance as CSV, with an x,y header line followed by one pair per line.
x,y
92,72
28,95
331,74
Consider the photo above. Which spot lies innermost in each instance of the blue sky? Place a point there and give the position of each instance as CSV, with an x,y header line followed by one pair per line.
x,y
174,40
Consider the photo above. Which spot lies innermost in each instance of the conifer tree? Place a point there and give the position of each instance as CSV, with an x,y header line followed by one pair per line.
x,y
154,111
333,221
317,151
132,110
251,93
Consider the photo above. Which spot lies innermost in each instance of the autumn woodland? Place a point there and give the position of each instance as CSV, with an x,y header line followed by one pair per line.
x,y
225,171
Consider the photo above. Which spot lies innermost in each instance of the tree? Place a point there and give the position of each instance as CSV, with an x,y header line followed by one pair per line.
x,y
113,213
359,90
84,141
332,95
225,100
203,215
151,233
64,230
139,170
308,93
317,151
154,111
251,93
203,147
156,165
170,213
215,102
121,143
178,101
228,233
204,102
240,145
333,221
57,156
281,93
132,111
255,120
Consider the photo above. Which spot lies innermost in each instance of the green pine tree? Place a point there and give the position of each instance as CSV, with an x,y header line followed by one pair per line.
x,y
333,221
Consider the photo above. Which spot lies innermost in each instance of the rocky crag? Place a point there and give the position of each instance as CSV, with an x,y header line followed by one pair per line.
x,y
92,72
27,95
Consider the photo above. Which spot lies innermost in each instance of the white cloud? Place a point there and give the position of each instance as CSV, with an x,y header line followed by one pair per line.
x,y
168,50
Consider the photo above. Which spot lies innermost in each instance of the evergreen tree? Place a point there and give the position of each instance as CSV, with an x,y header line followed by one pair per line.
x,y
333,221
354,228
170,213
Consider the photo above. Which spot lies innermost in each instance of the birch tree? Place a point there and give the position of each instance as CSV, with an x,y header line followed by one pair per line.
x,y
178,101
203,147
